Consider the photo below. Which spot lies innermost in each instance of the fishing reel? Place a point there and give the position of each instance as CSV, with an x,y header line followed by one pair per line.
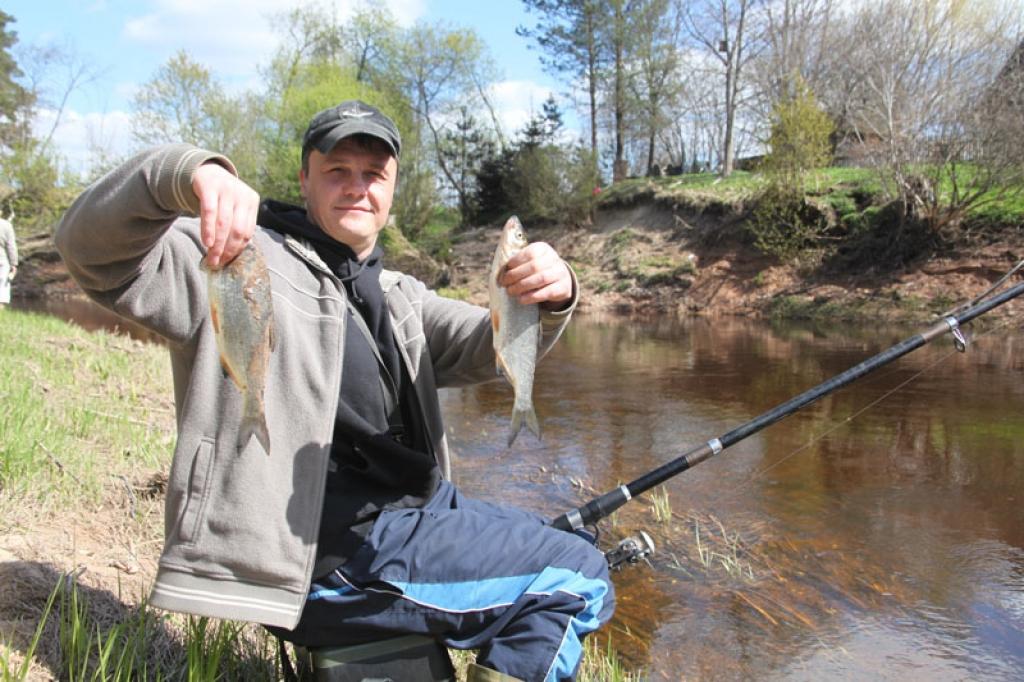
x,y
631,550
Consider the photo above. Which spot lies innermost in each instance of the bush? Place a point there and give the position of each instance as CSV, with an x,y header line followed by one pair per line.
x,y
800,137
783,224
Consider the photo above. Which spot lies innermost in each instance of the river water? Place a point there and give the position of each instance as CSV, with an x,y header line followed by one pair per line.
x,y
877,534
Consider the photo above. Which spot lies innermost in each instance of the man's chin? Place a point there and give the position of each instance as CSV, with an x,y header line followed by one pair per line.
x,y
352,234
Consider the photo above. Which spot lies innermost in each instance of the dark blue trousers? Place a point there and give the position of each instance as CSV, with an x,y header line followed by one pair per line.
x,y
472,575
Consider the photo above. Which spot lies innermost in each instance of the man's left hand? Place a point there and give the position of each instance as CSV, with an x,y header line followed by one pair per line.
x,y
537,274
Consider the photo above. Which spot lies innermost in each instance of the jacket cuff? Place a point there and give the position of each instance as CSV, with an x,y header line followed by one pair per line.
x,y
559,316
173,180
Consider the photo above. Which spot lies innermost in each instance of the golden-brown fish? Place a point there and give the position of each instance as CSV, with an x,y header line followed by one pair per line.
x,y
242,314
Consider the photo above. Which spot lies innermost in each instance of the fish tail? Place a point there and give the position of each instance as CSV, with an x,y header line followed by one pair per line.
x,y
518,416
254,425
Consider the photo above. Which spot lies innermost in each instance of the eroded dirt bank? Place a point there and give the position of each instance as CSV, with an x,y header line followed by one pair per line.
x,y
650,258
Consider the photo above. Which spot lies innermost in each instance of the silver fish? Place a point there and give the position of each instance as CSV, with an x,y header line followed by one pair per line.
x,y
242,315
516,332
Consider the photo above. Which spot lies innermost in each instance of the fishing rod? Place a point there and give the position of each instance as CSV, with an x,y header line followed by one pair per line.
x,y
632,549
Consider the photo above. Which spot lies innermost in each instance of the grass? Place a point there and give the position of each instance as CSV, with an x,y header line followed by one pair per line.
x,y
69,394
95,644
87,421
661,505
848,191
144,644
727,552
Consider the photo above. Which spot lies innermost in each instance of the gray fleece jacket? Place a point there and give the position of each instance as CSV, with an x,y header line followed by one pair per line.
x,y
241,527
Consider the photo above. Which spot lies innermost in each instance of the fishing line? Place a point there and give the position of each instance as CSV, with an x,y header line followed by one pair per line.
x,y
844,422
606,504
977,299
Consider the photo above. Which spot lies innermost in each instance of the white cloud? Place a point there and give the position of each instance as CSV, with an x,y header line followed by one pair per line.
x,y
231,37
517,101
84,138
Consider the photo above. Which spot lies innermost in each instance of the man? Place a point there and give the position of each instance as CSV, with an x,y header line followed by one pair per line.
x,y
347,529
8,260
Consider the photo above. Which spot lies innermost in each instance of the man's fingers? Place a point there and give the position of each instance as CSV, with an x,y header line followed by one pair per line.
x,y
556,291
532,281
223,222
208,220
533,259
227,212
237,232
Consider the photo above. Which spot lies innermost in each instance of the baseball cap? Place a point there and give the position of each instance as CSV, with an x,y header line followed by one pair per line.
x,y
351,117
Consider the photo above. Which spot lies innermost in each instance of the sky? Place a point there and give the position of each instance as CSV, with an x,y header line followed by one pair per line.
x,y
126,41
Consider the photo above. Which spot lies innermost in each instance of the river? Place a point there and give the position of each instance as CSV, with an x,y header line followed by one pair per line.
x,y
877,534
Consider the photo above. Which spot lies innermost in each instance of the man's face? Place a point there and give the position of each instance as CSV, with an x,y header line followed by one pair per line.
x,y
348,193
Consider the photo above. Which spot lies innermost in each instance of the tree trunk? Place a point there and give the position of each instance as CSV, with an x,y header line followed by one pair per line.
x,y
730,122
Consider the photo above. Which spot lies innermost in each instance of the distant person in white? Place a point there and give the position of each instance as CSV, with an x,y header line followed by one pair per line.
x,y
8,260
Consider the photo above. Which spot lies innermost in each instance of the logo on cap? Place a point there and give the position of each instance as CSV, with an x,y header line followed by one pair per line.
x,y
354,113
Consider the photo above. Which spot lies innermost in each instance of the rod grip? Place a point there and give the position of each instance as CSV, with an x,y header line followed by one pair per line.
x,y
593,511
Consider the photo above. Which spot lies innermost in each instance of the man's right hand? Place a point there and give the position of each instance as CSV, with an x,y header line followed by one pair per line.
x,y
227,212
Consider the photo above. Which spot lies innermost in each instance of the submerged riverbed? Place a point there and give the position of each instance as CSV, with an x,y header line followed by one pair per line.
x,y
877,534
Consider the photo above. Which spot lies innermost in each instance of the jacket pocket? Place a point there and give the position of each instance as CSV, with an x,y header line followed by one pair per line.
x,y
198,487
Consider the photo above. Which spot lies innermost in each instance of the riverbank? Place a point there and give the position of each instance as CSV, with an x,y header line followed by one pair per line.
x,y
648,253
649,258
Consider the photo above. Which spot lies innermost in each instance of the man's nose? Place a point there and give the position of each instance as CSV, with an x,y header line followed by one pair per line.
x,y
354,186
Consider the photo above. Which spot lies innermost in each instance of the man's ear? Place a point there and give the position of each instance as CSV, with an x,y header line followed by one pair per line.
x,y
302,182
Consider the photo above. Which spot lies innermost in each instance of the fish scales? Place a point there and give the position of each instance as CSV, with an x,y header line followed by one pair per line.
x,y
517,332
242,314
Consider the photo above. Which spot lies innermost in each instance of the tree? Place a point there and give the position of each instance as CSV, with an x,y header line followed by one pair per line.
x,y
537,178
439,69
798,44
800,137
368,38
918,73
568,32
34,86
655,80
782,223
183,102
14,99
175,104
723,28
464,150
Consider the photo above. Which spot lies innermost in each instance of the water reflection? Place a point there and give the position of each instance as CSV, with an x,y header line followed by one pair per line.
x,y
878,533
85,314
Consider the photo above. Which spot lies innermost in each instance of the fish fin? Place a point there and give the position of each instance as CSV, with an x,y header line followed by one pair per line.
x,y
532,423
215,318
254,425
272,334
235,379
518,418
503,370
517,424
495,321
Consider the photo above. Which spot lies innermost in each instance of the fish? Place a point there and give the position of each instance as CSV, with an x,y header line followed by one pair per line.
x,y
242,315
517,332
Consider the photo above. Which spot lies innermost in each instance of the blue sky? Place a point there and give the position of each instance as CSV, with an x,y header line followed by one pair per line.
x,y
125,41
